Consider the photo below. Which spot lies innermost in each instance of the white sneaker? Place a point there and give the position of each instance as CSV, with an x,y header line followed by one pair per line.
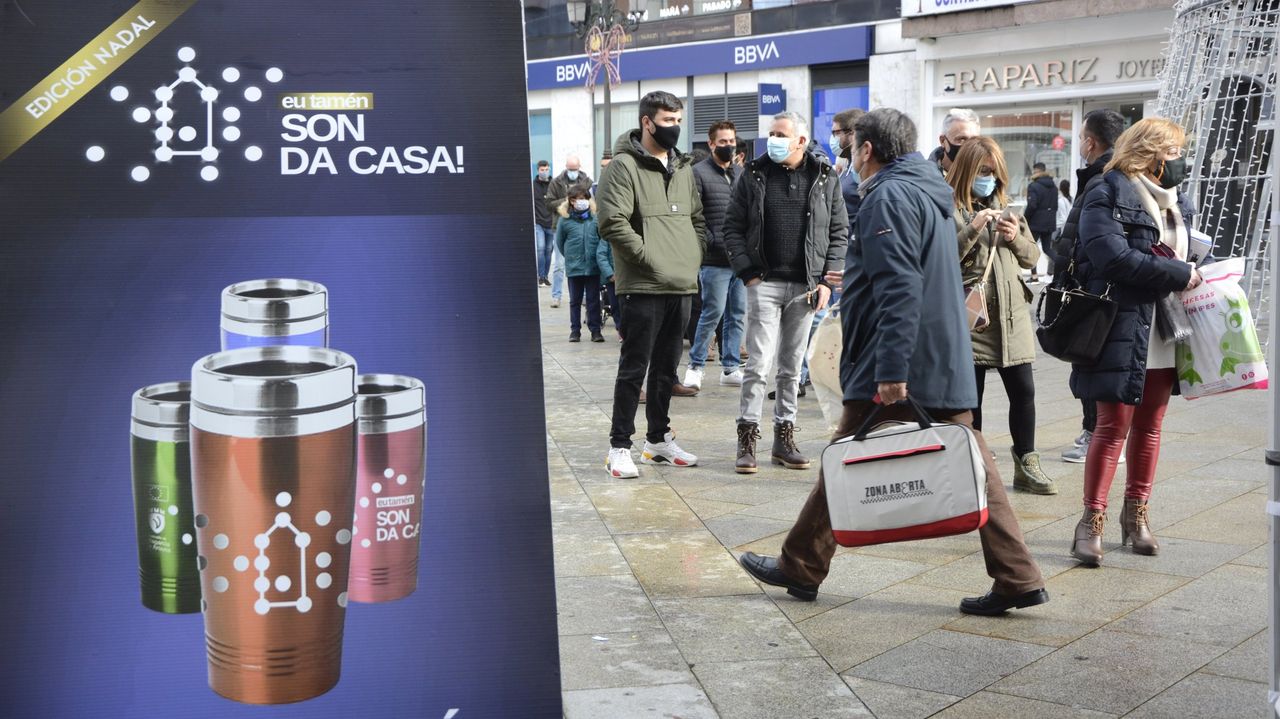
x,y
668,452
732,378
693,378
620,464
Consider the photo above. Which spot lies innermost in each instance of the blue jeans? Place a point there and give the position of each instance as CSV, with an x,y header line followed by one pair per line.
x,y
557,273
817,318
723,294
544,242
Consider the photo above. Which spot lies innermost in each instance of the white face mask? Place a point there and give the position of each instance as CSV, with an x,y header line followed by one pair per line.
x,y
581,205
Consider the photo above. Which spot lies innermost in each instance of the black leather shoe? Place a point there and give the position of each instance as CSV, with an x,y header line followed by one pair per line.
x,y
993,605
766,570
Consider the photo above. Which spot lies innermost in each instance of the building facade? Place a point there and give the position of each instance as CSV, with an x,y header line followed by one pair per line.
x,y
1031,70
742,60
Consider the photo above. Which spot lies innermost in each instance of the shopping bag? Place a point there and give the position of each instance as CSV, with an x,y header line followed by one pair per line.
x,y
901,481
1224,354
823,354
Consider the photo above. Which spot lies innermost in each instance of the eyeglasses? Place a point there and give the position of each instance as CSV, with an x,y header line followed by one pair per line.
x,y
838,132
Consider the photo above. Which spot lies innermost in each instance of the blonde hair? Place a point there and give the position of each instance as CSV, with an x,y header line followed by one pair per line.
x,y
965,168
1139,148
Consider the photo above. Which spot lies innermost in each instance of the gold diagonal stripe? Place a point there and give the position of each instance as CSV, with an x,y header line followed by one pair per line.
x,y
91,64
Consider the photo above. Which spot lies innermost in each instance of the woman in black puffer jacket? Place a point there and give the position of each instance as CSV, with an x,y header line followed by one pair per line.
x,y
1132,243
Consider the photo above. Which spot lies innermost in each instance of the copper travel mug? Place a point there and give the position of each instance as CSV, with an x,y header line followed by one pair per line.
x,y
161,457
273,440
392,420
259,313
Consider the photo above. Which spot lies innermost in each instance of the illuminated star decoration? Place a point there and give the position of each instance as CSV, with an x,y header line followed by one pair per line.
x,y
604,51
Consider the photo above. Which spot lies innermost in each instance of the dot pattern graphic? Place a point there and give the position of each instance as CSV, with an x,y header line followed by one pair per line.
x,y
201,129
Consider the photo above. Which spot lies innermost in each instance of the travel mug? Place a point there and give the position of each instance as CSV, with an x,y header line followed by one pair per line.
x,y
392,420
273,441
260,313
161,457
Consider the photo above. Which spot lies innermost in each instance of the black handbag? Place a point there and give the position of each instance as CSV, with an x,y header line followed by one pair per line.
x,y
1074,323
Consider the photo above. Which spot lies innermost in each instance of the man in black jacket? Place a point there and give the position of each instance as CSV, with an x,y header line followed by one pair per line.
x,y
543,234
785,228
1042,211
1098,134
723,294
905,335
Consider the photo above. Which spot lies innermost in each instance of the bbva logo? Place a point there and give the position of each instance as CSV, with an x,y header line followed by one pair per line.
x,y
751,54
572,73
771,99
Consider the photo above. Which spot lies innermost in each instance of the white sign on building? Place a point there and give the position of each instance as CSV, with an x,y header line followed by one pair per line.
x,y
914,8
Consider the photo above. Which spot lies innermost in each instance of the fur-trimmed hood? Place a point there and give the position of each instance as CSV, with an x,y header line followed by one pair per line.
x,y
563,209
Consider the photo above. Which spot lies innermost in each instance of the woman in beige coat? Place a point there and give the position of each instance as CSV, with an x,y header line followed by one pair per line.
x,y
993,252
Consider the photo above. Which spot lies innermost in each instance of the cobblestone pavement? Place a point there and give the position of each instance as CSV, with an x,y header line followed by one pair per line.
x,y
656,619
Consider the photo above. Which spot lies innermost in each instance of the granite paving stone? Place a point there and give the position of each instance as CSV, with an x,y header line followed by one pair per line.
x,y
1225,606
722,629
684,564
1247,661
1242,520
632,508
950,662
583,555
736,529
621,659
1205,696
592,605
669,701
989,705
892,701
778,688
1113,672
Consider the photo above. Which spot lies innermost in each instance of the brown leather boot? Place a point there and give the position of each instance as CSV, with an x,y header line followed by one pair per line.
x,y
1087,546
1133,526
748,433
785,451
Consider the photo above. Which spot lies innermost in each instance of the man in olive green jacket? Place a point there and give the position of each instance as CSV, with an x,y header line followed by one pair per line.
x,y
651,215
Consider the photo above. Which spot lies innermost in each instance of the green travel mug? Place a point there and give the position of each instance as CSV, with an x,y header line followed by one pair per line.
x,y
162,503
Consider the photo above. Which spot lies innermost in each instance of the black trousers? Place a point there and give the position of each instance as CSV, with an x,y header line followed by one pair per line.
x,y
1019,384
1045,239
615,305
1090,414
653,341
589,286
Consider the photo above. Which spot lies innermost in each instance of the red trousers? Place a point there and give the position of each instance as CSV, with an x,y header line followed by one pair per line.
x,y
1141,426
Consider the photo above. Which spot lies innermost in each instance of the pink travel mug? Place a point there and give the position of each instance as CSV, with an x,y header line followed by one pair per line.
x,y
392,424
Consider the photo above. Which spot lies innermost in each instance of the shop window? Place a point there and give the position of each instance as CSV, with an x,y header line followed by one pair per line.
x,y
827,102
539,140
1028,137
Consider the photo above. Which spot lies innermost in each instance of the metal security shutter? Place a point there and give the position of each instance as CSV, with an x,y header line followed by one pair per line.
x,y
743,109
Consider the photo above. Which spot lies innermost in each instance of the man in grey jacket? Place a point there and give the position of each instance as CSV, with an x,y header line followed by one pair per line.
x,y
723,295
904,331
785,228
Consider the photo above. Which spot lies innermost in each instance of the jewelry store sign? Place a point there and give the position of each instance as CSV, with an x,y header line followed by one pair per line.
x,y
1049,71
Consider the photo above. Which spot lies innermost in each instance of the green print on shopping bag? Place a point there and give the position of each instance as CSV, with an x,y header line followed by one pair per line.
x,y
1224,347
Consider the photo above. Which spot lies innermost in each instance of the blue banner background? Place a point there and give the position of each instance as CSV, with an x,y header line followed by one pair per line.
x,y
107,285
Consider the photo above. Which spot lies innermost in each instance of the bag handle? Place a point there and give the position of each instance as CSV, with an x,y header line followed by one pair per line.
x,y
922,417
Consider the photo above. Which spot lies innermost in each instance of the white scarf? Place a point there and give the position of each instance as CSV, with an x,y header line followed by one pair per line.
x,y
1162,205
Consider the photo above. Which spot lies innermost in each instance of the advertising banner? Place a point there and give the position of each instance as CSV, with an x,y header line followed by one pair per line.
x,y
276,437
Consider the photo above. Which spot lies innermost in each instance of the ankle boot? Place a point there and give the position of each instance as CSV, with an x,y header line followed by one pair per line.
x,y
1133,526
1087,546
785,451
1029,477
748,433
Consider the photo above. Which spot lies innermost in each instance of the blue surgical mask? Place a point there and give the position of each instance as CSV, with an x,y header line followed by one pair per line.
x,y
572,175
984,186
779,148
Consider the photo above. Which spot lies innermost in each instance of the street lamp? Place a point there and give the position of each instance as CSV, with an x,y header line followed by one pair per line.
x,y
604,26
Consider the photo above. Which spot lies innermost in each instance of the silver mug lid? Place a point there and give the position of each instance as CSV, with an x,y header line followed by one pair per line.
x,y
275,300
281,381
164,405
387,396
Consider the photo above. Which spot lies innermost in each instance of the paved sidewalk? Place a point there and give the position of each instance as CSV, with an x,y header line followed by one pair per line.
x,y
656,619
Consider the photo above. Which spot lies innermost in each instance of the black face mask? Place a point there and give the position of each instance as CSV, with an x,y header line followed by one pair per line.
x,y
666,137
952,151
1171,173
724,153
